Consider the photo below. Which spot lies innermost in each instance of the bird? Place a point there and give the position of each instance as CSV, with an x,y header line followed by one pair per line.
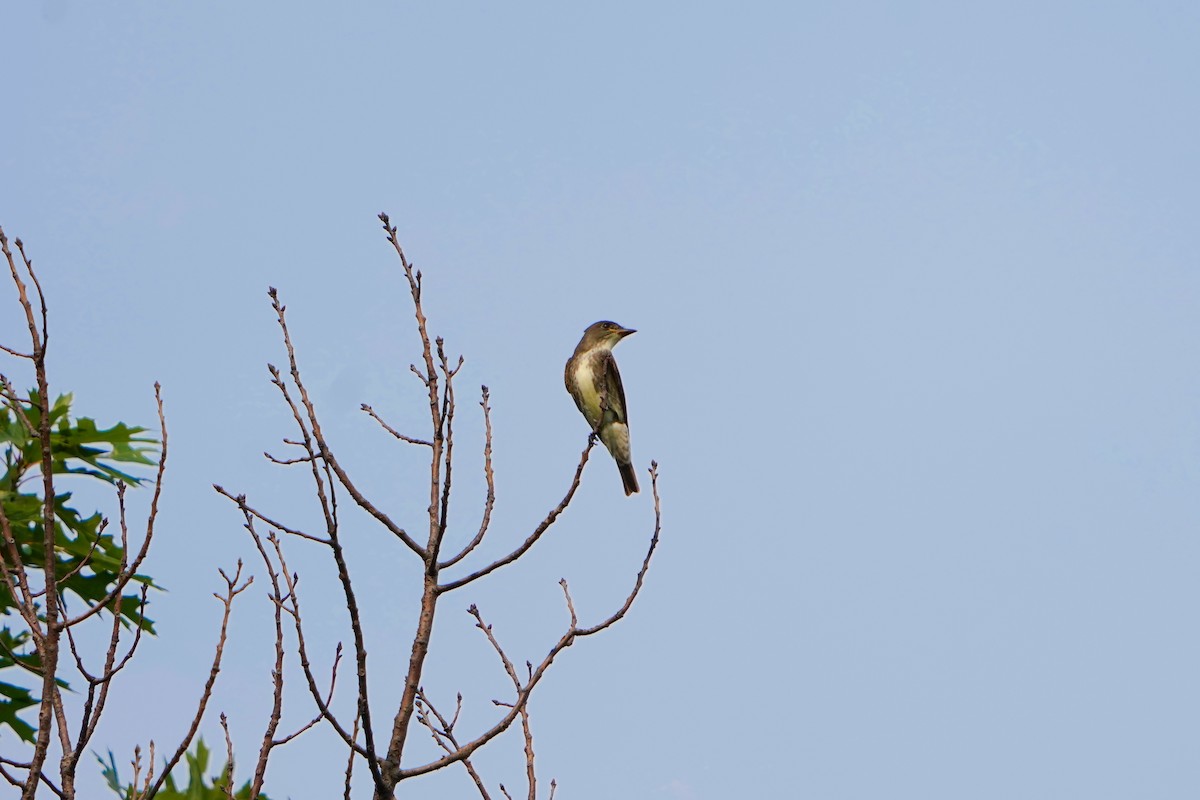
x,y
594,382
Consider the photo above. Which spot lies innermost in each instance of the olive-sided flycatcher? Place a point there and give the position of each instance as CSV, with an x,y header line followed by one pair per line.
x,y
593,380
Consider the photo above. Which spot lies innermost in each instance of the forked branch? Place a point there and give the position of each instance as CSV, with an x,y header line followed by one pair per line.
x,y
532,539
566,640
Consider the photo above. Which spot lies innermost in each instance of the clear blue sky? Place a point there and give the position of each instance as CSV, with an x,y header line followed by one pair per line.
x,y
916,288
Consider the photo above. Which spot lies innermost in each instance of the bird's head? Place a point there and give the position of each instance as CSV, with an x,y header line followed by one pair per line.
x,y
604,334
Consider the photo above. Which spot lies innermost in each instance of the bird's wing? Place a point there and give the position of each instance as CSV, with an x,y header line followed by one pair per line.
x,y
569,380
616,392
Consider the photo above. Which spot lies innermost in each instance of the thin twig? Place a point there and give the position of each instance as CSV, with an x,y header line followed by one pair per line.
x,y
240,500
337,659
542,527
45,779
489,477
50,706
564,641
392,430
445,737
350,760
323,450
232,590
448,418
641,576
284,462
276,596
526,730
229,759
95,703
293,600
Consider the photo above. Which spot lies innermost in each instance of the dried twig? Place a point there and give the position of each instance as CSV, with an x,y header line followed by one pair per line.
x,y
529,542
392,430
350,760
232,590
229,759
240,500
15,781
489,477
445,738
98,685
565,641
527,731
321,447
47,639
291,605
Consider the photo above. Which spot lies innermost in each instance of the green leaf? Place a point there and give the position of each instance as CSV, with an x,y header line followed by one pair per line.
x,y
197,788
86,560
12,700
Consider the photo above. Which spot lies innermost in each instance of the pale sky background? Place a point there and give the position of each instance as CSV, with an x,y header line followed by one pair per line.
x,y
916,288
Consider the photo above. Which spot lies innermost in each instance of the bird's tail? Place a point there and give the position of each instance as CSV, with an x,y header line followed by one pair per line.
x,y
629,478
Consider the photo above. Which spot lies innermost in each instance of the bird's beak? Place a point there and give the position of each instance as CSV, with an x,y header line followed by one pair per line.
x,y
626,331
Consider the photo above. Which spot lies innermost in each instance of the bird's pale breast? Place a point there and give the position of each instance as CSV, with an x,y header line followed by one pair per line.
x,y
585,380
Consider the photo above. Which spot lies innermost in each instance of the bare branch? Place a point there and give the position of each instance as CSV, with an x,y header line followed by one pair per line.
x,y
276,596
542,527
232,590
287,461
490,477
565,641
144,791
448,422
240,501
293,600
526,730
392,430
322,448
445,738
641,576
350,760
288,601
337,659
98,686
229,758
414,285
503,724
429,595
420,648
35,337
50,706
43,777
37,285
9,776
